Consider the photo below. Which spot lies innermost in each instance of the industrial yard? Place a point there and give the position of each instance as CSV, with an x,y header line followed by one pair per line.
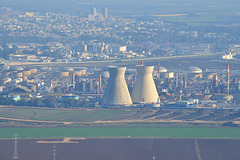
x,y
126,148
204,80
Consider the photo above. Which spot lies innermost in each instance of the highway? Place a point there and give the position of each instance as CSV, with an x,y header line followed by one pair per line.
x,y
127,62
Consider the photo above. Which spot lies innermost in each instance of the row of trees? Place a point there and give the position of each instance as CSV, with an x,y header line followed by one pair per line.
x,y
47,102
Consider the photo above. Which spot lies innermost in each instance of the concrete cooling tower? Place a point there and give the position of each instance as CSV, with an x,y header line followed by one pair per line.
x,y
116,92
145,90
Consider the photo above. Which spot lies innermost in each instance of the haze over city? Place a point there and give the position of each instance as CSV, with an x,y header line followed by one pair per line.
x,y
129,6
122,80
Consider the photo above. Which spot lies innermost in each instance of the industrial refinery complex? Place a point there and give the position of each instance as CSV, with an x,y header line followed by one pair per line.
x,y
117,86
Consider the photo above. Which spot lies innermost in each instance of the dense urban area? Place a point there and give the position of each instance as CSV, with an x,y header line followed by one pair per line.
x,y
39,38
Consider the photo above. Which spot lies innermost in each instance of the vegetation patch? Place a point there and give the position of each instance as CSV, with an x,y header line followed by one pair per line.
x,y
121,132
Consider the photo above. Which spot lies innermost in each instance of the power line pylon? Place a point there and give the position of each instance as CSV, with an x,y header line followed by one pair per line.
x,y
54,151
15,152
154,158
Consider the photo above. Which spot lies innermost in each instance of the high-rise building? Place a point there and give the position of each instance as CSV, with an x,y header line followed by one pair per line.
x,y
100,17
95,16
105,13
94,12
91,17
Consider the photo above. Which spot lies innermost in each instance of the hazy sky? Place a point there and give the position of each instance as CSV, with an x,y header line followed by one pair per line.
x,y
165,6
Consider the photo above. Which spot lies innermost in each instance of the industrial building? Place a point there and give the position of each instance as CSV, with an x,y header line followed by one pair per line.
x,y
117,92
135,86
144,90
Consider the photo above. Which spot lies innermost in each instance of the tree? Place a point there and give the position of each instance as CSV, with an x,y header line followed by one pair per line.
x,y
5,100
34,102
49,102
68,103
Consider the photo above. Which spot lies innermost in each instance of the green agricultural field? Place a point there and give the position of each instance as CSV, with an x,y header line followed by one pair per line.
x,y
37,114
121,132
207,16
97,115
61,114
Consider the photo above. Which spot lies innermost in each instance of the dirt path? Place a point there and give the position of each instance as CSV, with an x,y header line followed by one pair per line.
x,y
109,122
65,140
197,150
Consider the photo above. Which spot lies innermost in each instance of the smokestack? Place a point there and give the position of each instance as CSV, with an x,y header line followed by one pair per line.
x,y
67,86
100,81
216,81
73,81
97,86
235,80
179,72
184,82
145,90
84,86
116,92
238,85
176,80
228,80
91,85
159,70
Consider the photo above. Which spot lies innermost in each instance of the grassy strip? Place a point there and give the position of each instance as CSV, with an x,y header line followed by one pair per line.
x,y
68,115
121,132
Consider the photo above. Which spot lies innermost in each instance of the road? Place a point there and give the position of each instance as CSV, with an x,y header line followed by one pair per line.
x,y
128,62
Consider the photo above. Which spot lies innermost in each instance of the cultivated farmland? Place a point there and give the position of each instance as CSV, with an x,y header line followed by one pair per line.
x,y
125,149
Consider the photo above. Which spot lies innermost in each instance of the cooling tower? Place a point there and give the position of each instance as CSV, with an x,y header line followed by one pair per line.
x,y
117,92
145,90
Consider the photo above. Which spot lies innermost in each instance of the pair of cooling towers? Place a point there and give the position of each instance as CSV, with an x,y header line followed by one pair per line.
x,y
144,90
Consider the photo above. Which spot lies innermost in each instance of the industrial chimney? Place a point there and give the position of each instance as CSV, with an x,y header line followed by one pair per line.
x,y
145,90
116,92
228,80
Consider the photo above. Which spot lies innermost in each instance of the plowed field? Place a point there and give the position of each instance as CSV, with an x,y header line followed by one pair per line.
x,y
125,149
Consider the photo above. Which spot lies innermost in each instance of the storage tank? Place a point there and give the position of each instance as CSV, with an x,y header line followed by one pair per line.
x,y
16,68
193,69
162,69
83,71
18,74
194,75
2,89
224,97
7,74
77,73
164,75
211,75
104,73
64,74
66,69
170,74
6,80
144,90
116,92
33,70
26,73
